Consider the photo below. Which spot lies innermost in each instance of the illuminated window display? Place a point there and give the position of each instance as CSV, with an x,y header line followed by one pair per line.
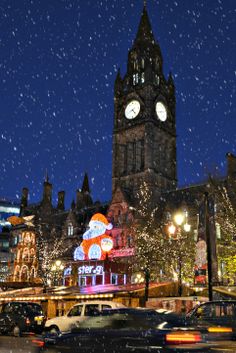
x,y
93,260
26,263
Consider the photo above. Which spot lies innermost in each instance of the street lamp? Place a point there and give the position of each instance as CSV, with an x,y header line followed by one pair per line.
x,y
175,230
57,269
138,278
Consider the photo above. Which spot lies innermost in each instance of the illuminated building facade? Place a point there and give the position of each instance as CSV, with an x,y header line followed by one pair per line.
x,y
7,209
25,267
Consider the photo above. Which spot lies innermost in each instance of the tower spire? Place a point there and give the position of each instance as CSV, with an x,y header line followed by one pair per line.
x,y
144,34
85,186
144,3
46,176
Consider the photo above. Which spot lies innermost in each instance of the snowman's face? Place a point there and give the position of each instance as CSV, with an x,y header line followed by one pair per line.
x,y
96,228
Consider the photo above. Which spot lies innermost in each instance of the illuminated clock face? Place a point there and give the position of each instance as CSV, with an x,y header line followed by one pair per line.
x,y
161,111
132,109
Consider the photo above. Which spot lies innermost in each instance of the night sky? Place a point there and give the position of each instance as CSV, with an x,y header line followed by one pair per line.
x,y
58,63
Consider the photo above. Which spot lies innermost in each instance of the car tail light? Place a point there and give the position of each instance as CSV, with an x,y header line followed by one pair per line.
x,y
180,337
38,343
220,329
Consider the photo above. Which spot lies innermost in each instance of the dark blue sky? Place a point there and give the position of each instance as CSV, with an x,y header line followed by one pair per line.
x,y
58,62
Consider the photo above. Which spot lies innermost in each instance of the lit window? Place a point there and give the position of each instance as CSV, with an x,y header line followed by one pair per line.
x,y
70,229
142,77
157,80
195,234
5,244
114,278
135,79
157,63
129,241
218,231
117,241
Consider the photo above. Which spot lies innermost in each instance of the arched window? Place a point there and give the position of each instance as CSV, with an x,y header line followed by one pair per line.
x,y
157,64
129,241
119,217
136,65
26,255
32,273
16,276
26,237
70,229
135,79
32,254
142,77
18,255
157,80
24,274
117,241
32,238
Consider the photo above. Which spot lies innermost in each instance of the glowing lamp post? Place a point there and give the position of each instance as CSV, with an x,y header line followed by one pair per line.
x,y
57,269
179,218
175,231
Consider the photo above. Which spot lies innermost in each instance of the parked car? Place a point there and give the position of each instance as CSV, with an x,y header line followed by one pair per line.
x,y
18,317
77,314
129,330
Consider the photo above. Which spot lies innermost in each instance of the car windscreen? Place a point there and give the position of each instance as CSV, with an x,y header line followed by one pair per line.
x,y
34,308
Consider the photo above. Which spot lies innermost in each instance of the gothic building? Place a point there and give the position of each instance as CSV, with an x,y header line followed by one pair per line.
x,y
51,225
144,142
144,151
144,134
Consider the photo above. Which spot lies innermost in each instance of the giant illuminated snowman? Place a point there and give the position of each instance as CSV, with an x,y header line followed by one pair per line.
x,y
96,243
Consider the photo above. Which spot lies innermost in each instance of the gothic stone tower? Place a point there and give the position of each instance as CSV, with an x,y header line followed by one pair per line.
x,y
144,134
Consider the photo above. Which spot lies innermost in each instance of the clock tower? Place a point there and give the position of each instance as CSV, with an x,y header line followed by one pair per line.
x,y
144,134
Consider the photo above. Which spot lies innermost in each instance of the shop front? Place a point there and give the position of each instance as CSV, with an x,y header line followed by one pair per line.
x,y
95,273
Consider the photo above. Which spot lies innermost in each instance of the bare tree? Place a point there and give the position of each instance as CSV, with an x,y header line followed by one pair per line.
x,y
156,250
149,242
49,250
181,251
225,218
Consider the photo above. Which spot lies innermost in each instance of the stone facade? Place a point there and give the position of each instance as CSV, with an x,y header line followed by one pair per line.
x,y
144,146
